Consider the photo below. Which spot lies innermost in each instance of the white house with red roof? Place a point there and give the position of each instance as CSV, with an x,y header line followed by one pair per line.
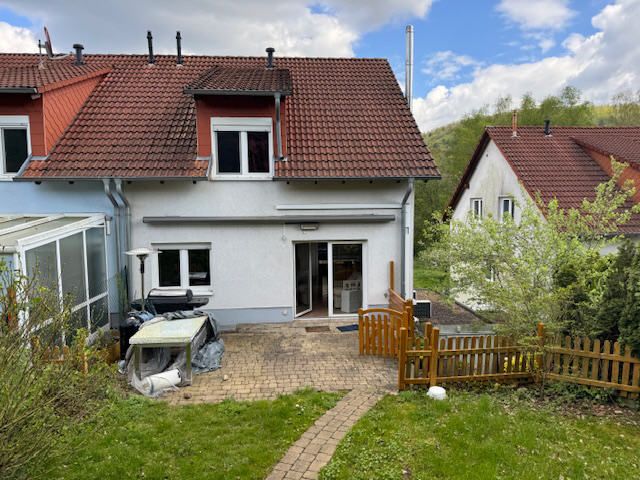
x,y
274,188
513,164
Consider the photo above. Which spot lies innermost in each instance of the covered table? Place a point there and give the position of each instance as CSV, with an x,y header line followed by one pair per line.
x,y
174,333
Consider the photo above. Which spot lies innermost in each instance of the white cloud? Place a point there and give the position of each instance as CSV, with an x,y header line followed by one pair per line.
x,y
446,65
537,14
230,27
17,39
600,65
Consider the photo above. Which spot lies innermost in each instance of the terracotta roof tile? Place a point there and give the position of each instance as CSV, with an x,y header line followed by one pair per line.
x,y
346,118
555,166
48,76
221,79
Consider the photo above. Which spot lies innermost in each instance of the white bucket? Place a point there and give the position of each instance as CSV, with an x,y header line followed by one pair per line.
x,y
437,393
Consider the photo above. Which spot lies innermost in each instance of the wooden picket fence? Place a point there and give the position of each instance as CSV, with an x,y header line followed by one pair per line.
x,y
432,360
594,363
379,330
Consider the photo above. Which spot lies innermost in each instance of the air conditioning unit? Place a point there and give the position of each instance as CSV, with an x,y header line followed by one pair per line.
x,y
422,309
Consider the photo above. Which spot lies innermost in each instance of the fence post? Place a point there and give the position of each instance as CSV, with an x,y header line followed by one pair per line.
x,y
392,283
540,359
428,329
433,363
361,331
402,359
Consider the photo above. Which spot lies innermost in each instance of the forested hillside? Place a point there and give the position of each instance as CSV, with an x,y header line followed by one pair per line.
x,y
453,144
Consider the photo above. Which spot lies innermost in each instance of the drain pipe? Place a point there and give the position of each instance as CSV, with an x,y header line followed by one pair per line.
x,y
403,234
126,220
116,213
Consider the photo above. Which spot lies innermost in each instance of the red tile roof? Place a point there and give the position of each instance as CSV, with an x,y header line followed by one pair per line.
x,y
554,166
242,80
50,75
624,146
346,118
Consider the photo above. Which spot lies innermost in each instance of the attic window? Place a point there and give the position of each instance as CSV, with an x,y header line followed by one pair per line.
x,y
14,144
242,147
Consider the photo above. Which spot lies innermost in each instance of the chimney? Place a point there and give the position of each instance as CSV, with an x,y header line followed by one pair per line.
x,y
514,123
179,47
78,47
152,59
408,76
270,51
547,128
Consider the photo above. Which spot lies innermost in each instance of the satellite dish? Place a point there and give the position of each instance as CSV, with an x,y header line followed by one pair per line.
x,y
47,43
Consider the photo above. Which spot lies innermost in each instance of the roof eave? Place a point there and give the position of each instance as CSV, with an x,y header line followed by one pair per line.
x,y
98,178
18,90
250,93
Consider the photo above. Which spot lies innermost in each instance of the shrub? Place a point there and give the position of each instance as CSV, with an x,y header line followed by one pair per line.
x,y
39,396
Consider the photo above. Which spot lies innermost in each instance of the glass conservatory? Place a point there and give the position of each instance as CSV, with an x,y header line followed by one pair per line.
x,y
65,253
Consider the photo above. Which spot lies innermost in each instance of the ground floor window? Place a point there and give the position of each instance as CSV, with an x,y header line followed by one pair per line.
x,y
184,266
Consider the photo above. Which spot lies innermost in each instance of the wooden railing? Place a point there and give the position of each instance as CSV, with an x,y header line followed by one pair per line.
x,y
379,330
432,360
396,301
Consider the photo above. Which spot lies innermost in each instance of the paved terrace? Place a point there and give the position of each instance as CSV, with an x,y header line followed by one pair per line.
x,y
264,361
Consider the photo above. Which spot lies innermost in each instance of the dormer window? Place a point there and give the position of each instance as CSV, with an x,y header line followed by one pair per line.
x,y
14,143
242,147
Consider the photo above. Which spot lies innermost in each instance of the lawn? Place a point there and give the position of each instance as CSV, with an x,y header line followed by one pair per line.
x,y
139,438
428,278
477,436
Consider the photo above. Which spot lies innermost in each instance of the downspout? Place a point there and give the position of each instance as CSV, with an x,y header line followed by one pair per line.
x,y
116,213
278,129
403,234
126,220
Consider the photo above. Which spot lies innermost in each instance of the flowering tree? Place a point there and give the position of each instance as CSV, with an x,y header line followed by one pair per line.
x,y
518,272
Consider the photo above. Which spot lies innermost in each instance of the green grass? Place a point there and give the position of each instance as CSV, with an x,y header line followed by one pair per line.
x,y
428,278
139,438
475,436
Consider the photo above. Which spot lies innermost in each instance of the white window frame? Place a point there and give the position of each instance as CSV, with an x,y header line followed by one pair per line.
x,y
9,122
183,248
38,240
512,210
474,202
242,125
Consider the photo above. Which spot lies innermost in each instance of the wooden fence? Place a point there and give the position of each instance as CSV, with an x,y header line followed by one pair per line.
x,y
379,330
432,360
396,301
594,363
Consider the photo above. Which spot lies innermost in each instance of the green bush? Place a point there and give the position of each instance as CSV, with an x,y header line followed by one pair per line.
x,y
40,397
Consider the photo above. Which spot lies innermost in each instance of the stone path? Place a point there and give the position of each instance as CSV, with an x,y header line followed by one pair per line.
x,y
264,361
313,450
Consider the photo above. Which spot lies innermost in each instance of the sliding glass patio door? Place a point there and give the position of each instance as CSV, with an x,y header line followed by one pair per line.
x,y
303,276
346,279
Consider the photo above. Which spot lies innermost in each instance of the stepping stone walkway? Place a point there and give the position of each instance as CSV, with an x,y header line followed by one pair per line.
x,y
313,450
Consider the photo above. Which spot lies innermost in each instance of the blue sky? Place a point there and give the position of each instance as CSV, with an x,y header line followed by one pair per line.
x,y
467,52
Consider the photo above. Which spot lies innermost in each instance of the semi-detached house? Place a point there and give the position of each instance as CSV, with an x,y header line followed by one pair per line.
x,y
274,188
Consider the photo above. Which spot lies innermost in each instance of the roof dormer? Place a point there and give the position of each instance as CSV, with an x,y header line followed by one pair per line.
x,y
240,117
38,103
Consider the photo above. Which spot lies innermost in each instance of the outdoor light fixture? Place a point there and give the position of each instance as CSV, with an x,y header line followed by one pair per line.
x,y
142,254
308,226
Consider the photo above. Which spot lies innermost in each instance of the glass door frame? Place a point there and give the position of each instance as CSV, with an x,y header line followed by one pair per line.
x,y
296,313
364,274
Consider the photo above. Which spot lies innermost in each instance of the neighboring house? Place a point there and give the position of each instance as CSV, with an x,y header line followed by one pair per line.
x,y
273,188
513,164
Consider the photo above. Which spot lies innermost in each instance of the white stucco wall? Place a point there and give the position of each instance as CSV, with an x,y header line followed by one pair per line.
x,y
492,179
253,264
